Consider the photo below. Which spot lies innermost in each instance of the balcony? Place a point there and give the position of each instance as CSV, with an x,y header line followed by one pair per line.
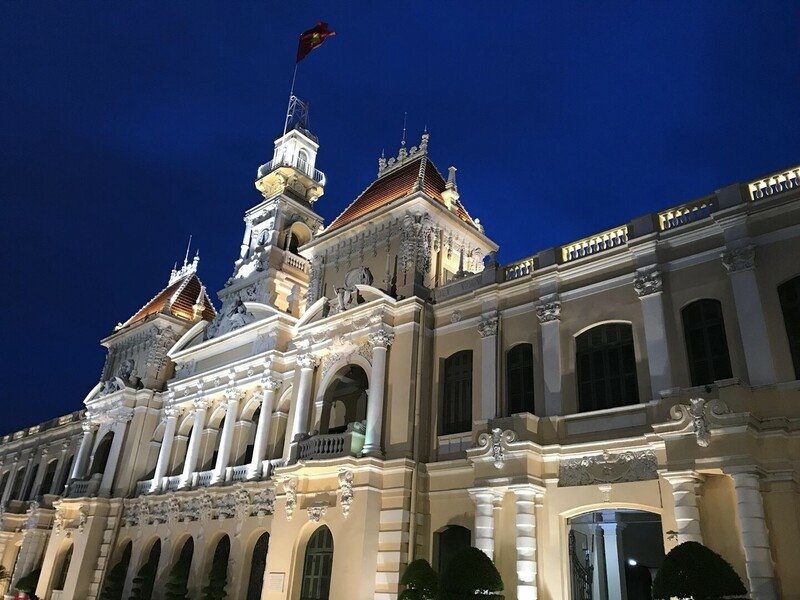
x,y
330,445
595,244
295,163
84,488
775,184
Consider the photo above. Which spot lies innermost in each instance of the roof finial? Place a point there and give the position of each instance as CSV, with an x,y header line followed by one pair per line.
x,y
188,246
451,179
405,118
381,163
423,144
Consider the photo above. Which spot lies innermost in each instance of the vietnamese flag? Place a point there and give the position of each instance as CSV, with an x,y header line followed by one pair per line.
x,y
312,38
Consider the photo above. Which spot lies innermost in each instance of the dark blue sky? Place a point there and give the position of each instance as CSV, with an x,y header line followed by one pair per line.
x,y
127,126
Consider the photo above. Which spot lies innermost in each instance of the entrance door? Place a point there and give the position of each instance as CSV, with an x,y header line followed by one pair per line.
x,y
318,566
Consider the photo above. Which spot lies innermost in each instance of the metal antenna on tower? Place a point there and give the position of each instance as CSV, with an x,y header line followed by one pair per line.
x,y
188,246
405,118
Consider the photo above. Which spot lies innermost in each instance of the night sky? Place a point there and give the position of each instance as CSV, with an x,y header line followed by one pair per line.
x,y
127,126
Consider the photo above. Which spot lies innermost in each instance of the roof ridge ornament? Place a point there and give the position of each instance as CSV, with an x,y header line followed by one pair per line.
x,y
403,155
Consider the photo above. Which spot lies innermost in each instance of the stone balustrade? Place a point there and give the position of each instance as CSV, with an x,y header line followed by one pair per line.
x,y
142,487
295,262
332,445
238,473
203,478
521,268
595,244
84,488
777,183
686,213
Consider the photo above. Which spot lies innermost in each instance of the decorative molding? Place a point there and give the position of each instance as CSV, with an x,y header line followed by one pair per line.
x,y
316,511
647,281
290,493
307,361
456,316
549,311
383,338
488,326
270,383
701,414
740,259
346,491
495,444
332,358
608,468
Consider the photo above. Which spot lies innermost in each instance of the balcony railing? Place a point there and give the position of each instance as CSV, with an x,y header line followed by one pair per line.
x,y
84,488
238,473
290,259
142,487
521,268
595,244
687,213
204,478
295,163
775,184
332,445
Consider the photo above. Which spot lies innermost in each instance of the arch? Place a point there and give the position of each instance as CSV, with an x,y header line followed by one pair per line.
x,y
216,418
114,584
258,565
218,574
317,565
49,476
298,234
101,452
186,424
344,400
178,577
447,541
26,493
789,297
284,400
605,365
456,406
16,484
64,561
519,379
145,578
65,473
4,482
706,342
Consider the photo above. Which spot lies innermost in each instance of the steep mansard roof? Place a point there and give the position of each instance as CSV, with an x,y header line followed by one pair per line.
x,y
395,184
178,300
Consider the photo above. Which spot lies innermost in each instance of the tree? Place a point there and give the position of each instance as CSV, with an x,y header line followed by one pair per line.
x,y
28,583
421,581
176,587
468,573
115,582
691,570
218,577
143,582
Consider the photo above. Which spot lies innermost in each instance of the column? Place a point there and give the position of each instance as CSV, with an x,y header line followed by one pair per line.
x,y
307,363
755,536
740,264
82,458
224,454
193,449
648,283
484,519
40,472
62,464
120,424
549,314
380,342
685,487
600,584
525,497
615,560
12,476
270,386
26,477
170,419
487,329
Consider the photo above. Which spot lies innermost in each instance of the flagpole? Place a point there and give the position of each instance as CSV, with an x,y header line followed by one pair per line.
x,y
291,96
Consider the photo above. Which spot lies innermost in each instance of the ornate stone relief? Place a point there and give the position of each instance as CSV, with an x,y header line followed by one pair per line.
x,y
383,338
456,316
263,503
701,414
333,358
549,311
345,491
647,281
608,468
488,326
740,259
347,296
316,511
495,443
290,492
233,315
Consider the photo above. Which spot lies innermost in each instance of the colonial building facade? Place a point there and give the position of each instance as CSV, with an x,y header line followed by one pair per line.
x,y
380,389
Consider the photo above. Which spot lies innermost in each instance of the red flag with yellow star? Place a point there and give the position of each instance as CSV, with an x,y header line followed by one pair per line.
x,y
312,38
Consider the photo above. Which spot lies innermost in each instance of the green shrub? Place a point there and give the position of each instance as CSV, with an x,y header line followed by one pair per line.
x,y
28,583
421,581
691,570
468,573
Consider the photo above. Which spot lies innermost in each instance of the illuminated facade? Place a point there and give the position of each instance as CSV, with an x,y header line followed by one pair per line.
x,y
381,389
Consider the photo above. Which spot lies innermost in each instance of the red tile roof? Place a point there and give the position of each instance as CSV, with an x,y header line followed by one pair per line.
x,y
396,184
177,299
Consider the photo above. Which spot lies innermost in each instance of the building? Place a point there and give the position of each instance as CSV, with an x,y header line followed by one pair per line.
x,y
381,389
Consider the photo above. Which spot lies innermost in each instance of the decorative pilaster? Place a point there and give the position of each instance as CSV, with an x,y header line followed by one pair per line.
x,y
754,536
488,328
269,388
87,441
740,264
380,342
648,283
307,363
685,487
59,474
526,497
226,441
484,499
549,314
120,420
193,450
615,560
170,419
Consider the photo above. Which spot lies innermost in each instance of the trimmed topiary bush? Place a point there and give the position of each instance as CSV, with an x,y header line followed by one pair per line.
x,y
421,581
691,570
468,573
27,584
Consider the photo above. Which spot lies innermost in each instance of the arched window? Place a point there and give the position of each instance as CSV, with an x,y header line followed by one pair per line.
x,y
114,584
706,343
63,569
318,566
456,414
302,160
606,367
4,483
519,379
218,576
178,578
449,541
16,486
258,565
101,454
49,475
62,481
345,400
145,579
26,493
789,295
247,457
